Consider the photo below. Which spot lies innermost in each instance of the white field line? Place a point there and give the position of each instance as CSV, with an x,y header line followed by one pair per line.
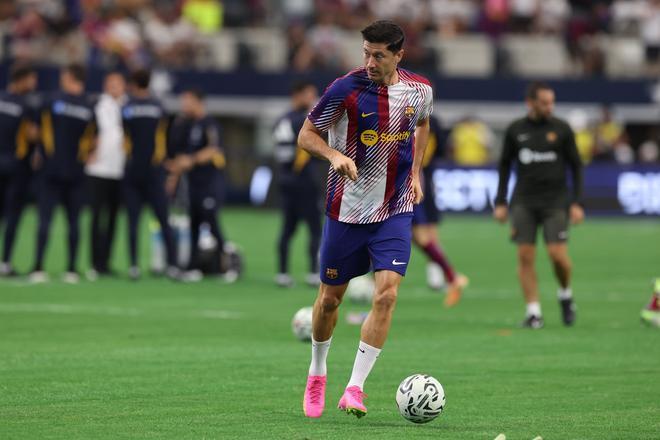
x,y
67,309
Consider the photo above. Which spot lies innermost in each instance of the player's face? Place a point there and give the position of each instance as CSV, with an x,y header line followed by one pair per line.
x,y
190,105
543,105
379,61
308,96
30,83
115,85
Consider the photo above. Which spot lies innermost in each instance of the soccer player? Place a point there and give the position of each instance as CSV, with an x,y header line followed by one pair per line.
x,y
67,134
17,130
298,184
377,117
543,150
425,224
651,313
204,160
105,170
145,142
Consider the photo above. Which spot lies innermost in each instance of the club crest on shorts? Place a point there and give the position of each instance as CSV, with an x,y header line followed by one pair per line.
x,y
551,136
409,112
331,274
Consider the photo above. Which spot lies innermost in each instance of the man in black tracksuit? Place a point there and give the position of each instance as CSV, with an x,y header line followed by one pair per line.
x,y
543,150
298,184
145,136
203,159
67,135
17,131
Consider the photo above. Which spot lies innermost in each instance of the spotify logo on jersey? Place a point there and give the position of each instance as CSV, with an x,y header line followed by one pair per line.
x,y
527,156
369,137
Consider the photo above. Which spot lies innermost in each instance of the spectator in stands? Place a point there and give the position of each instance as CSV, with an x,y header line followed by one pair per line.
x,y
552,17
650,33
326,41
584,134
205,15
523,13
471,142
649,151
120,38
610,137
452,17
171,38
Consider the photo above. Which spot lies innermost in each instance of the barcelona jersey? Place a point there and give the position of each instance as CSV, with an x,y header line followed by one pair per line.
x,y
374,125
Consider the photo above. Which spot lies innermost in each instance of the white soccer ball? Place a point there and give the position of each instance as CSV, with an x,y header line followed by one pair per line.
x,y
302,324
420,398
361,289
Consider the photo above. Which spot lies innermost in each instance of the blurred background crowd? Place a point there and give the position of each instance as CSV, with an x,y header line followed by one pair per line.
x,y
552,39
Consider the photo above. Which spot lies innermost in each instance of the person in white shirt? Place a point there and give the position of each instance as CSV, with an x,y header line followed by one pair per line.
x,y
105,170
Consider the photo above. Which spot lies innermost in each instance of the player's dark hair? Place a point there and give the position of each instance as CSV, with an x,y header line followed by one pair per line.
x,y
20,71
115,72
385,32
141,78
534,88
77,71
196,92
300,85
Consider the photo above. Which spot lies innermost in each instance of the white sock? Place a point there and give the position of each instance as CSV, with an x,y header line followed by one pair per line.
x,y
566,293
319,356
534,309
364,361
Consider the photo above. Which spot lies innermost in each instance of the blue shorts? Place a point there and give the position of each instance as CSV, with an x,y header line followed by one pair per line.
x,y
350,250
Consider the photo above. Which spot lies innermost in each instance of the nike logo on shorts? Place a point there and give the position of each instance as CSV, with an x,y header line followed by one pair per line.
x,y
398,263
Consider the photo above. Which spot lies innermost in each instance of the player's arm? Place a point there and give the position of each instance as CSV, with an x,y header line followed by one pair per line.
x,y
576,212
504,170
422,131
310,140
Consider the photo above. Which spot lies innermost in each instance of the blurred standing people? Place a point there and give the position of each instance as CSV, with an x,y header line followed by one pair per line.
x,y
611,140
298,185
203,160
425,224
471,142
543,149
145,142
17,131
67,132
105,170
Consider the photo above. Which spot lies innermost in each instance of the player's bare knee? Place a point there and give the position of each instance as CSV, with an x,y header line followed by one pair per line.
x,y
385,299
329,302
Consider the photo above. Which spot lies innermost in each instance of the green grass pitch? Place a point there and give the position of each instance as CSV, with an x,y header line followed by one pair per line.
x,y
117,359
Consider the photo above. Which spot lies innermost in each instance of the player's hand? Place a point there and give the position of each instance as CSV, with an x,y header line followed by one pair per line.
x,y
418,193
344,166
92,158
501,212
576,214
171,182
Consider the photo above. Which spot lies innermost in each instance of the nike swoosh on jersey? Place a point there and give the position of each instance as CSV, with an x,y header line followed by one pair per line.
x,y
364,115
398,263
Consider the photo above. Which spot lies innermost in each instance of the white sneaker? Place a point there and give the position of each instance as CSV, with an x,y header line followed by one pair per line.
x,y
284,280
70,278
230,276
38,277
313,279
434,276
134,273
5,269
191,276
92,275
173,273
